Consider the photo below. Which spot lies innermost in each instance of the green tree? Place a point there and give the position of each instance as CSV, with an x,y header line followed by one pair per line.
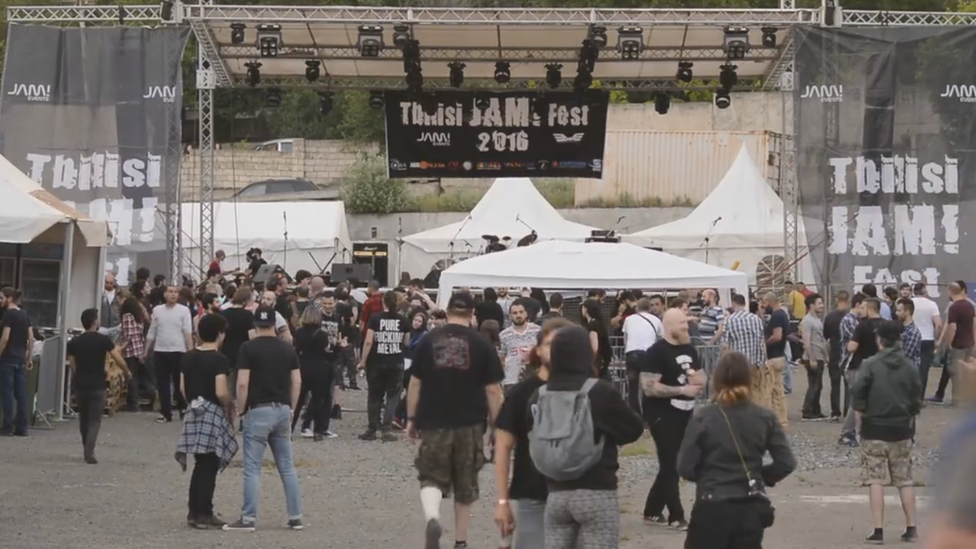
x,y
369,190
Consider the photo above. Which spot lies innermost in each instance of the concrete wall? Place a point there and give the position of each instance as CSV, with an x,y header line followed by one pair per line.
x,y
387,228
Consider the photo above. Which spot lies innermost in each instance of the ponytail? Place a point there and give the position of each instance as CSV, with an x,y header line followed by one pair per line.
x,y
732,395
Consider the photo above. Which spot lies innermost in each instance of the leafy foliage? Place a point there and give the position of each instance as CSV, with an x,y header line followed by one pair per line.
x,y
369,190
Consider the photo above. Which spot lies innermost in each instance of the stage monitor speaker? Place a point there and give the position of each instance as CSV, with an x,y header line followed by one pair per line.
x,y
265,272
343,272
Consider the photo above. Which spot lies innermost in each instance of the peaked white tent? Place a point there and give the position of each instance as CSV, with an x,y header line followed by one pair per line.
x,y
741,221
296,235
512,207
560,265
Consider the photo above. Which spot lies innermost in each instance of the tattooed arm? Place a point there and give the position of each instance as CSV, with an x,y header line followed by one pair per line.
x,y
651,386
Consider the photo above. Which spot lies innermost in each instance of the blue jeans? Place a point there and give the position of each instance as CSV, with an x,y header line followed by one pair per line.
x,y
530,528
13,379
788,379
263,427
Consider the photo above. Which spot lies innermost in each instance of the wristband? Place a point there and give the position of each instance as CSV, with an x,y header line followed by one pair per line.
x,y
503,502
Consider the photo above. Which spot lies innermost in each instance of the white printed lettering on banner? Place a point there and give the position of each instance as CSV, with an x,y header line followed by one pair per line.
x,y
965,94
926,228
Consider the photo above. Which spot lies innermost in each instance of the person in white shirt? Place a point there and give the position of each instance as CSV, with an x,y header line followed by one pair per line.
x,y
517,341
170,336
929,324
641,330
281,325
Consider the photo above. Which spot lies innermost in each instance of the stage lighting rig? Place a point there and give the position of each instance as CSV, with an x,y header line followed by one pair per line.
x,y
253,73
727,76
662,102
411,66
503,72
554,75
312,70
684,73
237,33
481,102
584,69
269,39
325,102
736,43
166,10
376,99
273,98
722,99
630,43
597,35
370,40
401,35
769,37
456,76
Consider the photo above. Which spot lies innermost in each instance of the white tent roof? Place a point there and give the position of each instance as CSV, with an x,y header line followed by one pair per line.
x,y
27,210
742,212
512,207
237,227
575,265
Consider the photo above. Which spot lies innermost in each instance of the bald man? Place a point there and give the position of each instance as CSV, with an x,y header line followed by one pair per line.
x,y
316,286
281,325
672,380
958,336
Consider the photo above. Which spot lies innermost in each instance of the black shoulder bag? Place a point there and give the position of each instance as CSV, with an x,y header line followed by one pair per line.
x,y
757,492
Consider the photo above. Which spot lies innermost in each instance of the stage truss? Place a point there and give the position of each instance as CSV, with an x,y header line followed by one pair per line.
x,y
479,37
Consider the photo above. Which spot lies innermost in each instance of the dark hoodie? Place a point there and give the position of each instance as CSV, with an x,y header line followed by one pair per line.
x,y
613,419
888,393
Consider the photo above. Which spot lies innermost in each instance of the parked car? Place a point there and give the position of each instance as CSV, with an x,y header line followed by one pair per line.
x,y
278,145
284,190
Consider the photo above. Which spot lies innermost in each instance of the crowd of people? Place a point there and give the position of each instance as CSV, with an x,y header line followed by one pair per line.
x,y
525,375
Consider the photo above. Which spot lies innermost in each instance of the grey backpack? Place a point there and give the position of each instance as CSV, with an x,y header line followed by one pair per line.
x,y
562,440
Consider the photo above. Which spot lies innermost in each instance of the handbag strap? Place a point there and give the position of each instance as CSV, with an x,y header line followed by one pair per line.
x,y
653,327
736,442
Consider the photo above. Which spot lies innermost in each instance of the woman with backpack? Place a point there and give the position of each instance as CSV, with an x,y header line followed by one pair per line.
x,y
722,452
578,421
522,504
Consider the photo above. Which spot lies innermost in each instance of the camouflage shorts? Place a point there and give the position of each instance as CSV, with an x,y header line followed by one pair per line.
x,y
451,459
886,463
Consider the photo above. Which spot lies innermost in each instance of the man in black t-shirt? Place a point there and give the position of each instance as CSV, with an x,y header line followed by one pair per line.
x,y
671,378
455,386
862,346
832,334
345,315
387,335
777,328
16,350
268,386
86,358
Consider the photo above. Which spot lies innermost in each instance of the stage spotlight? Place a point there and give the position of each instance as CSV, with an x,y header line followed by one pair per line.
x,y
722,99
736,42
662,102
457,73
630,43
376,99
325,103
503,72
253,73
166,10
598,35
370,40
401,34
273,98
685,73
481,102
237,33
554,75
312,71
769,37
727,76
269,39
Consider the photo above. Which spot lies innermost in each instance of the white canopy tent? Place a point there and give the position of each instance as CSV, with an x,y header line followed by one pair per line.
x,y
512,207
740,222
295,235
561,265
30,215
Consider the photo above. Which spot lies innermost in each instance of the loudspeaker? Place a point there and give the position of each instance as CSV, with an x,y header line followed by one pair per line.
x,y
265,272
343,272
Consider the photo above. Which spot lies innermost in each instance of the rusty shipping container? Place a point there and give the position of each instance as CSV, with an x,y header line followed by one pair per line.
x,y
643,167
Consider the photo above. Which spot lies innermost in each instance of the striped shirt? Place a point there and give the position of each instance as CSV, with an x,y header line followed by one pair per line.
x,y
711,318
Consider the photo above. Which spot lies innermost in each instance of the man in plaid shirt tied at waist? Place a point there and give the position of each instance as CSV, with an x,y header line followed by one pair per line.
x,y
744,334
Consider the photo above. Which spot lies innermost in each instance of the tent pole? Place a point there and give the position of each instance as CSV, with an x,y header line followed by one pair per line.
x,y
65,288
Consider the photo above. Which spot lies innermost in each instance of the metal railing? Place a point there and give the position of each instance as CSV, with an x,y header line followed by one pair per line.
x,y
707,354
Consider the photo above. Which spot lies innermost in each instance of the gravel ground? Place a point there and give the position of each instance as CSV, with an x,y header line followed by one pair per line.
x,y
359,494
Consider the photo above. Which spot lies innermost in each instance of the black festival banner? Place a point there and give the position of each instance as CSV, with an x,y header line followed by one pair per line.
x,y
886,154
465,134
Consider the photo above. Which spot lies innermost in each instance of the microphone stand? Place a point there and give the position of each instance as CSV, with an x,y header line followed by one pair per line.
x,y
284,217
708,237
518,219
461,228
399,267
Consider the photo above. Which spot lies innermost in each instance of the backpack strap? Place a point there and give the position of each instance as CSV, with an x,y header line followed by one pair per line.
x,y
588,384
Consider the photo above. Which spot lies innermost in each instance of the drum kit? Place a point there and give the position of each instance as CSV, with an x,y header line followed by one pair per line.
x,y
493,243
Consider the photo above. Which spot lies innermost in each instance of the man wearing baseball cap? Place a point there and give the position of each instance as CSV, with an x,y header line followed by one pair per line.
x,y
268,386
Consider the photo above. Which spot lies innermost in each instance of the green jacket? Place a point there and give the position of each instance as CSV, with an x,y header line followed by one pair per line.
x,y
888,393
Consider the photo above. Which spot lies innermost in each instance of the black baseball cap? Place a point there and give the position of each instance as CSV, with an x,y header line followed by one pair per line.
x,y
461,301
264,317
